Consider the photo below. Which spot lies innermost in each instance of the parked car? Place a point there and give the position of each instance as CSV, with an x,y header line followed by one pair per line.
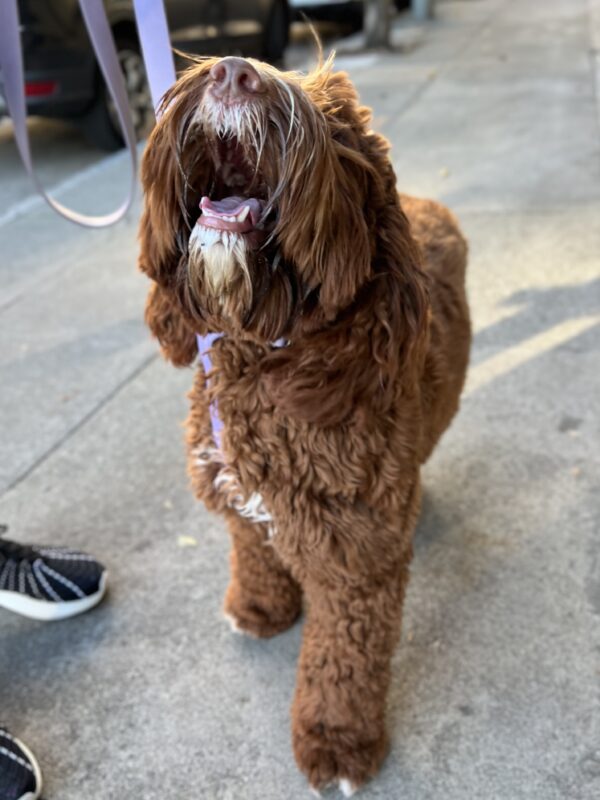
x,y
62,78
348,12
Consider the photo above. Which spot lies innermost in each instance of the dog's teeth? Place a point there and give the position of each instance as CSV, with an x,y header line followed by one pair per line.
x,y
243,214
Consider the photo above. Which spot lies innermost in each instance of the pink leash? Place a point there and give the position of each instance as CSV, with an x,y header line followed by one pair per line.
x,y
156,47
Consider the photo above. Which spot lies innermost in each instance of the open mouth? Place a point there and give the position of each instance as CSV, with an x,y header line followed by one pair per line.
x,y
237,202
237,214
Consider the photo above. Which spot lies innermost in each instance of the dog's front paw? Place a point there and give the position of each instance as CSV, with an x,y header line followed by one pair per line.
x,y
258,618
338,756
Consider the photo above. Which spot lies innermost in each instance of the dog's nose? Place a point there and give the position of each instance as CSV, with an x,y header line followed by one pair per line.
x,y
236,78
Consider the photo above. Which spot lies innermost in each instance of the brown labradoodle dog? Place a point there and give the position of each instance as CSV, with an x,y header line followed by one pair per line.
x,y
272,219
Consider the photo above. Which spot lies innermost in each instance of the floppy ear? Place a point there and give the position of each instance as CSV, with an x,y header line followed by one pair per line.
x,y
342,235
164,318
159,260
161,217
322,227
167,158
160,231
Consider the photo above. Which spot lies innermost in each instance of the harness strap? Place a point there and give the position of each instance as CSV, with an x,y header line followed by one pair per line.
x,y
204,345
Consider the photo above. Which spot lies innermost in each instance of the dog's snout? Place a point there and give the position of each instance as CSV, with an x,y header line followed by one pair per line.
x,y
236,78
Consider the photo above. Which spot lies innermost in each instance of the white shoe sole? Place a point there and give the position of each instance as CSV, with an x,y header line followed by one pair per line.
x,y
36,771
47,610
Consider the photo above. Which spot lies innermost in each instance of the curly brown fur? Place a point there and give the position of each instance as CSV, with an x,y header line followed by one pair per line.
x,y
323,439
176,337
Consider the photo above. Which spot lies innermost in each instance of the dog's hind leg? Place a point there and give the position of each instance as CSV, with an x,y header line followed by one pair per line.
x,y
262,598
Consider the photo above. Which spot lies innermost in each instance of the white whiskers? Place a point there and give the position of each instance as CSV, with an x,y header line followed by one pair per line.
x,y
242,121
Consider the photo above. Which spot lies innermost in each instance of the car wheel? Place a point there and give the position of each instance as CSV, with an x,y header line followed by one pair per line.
x,y
277,31
102,125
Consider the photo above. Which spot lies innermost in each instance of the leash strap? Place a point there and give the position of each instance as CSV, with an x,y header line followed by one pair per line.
x,y
156,48
154,37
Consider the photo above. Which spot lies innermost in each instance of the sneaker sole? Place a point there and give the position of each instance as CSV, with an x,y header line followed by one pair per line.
x,y
47,610
36,771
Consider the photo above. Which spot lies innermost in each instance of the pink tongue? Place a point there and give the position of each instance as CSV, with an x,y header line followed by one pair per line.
x,y
214,212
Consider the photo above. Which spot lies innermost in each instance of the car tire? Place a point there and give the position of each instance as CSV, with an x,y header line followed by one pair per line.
x,y
277,32
101,125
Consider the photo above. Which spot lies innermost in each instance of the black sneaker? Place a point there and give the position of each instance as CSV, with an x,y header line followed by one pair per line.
x,y
20,775
48,582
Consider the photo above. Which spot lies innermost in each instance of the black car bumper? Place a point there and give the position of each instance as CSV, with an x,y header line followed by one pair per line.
x,y
64,93
60,70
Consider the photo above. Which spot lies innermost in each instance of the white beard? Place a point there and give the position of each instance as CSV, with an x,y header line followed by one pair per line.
x,y
220,254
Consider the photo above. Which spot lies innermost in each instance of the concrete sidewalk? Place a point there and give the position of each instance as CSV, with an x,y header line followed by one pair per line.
x,y
492,109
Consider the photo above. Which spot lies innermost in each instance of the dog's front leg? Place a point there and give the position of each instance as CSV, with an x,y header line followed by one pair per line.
x,y
354,583
338,714
262,598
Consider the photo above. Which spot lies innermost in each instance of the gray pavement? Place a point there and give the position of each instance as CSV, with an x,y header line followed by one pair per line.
x,y
496,690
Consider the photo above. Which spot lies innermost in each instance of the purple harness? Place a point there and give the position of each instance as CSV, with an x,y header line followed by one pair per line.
x,y
204,345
